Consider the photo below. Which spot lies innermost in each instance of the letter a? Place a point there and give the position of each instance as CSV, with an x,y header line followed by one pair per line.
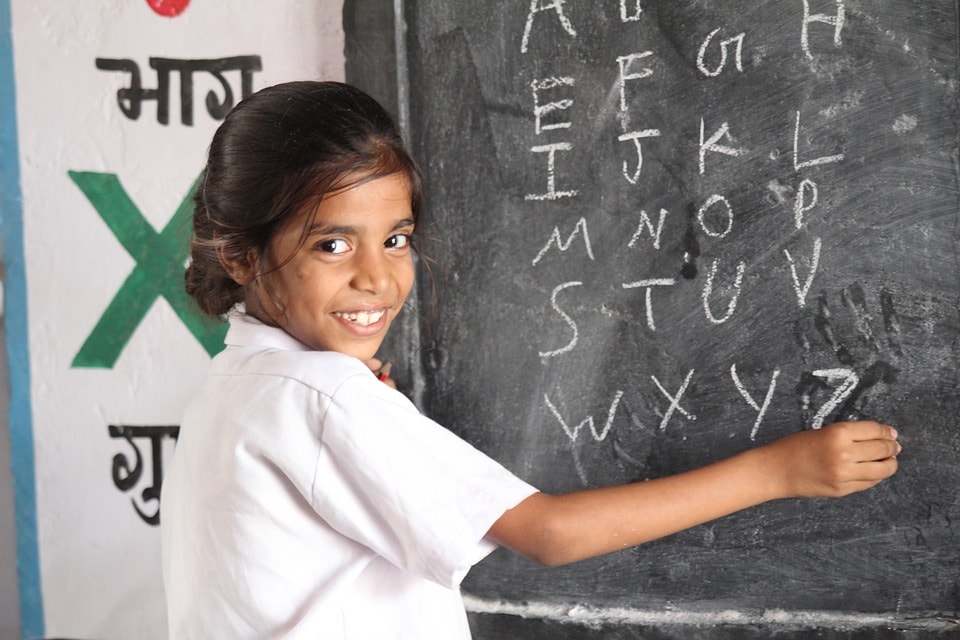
x,y
537,7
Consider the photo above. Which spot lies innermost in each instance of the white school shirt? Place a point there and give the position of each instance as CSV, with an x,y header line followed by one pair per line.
x,y
307,499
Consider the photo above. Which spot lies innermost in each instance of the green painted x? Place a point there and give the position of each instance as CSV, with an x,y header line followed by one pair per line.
x,y
160,259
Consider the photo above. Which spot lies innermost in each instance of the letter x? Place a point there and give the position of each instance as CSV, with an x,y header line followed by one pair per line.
x,y
160,259
674,400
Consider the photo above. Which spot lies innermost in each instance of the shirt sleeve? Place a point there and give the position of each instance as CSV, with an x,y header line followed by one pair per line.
x,y
404,486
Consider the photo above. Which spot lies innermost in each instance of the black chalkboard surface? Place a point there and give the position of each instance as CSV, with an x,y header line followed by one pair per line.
x,y
676,230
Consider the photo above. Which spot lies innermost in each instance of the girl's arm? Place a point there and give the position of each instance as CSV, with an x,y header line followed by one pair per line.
x,y
831,462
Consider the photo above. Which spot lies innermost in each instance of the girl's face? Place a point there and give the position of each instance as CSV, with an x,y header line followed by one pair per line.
x,y
342,288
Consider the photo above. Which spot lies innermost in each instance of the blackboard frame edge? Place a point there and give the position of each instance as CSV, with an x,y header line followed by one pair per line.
x,y
510,625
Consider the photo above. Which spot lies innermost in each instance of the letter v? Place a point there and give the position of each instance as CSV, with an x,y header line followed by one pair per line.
x,y
814,263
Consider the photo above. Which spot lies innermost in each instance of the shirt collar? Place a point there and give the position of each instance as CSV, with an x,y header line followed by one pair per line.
x,y
247,331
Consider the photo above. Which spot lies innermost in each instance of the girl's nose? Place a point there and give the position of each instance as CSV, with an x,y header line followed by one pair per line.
x,y
373,271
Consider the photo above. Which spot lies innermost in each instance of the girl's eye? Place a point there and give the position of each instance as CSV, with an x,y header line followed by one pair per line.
x,y
333,246
399,241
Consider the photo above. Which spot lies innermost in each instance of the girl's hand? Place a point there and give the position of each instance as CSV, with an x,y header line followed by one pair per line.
x,y
829,462
837,460
382,371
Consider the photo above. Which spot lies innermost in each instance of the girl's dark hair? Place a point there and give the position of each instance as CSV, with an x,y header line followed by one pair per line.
x,y
276,154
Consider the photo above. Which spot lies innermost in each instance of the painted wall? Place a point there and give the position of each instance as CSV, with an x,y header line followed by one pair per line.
x,y
115,103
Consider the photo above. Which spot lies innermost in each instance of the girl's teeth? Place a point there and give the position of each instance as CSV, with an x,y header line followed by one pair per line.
x,y
363,318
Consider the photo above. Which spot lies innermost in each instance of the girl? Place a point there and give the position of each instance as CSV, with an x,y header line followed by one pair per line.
x,y
306,498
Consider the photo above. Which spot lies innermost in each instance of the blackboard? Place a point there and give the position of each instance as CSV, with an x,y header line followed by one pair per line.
x,y
671,231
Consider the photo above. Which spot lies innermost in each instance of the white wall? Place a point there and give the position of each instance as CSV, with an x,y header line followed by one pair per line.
x,y
95,572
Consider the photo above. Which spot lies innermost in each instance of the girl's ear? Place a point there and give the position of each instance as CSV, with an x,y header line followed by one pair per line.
x,y
242,271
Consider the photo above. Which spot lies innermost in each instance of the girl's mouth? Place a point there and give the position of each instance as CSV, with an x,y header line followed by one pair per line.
x,y
362,318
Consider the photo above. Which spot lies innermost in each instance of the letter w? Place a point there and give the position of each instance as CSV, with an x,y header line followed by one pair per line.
x,y
588,421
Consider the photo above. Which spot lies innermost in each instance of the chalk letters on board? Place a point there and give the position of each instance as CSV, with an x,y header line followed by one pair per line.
x,y
703,227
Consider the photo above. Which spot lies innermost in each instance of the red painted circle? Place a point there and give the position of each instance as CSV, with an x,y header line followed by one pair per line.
x,y
168,8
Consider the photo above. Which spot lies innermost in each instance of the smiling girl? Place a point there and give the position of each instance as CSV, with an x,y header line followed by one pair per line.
x,y
307,499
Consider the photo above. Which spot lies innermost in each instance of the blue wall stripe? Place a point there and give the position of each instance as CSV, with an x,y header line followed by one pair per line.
x,y
15,315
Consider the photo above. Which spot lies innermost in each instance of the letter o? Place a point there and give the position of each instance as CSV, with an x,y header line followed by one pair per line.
x,y
714,199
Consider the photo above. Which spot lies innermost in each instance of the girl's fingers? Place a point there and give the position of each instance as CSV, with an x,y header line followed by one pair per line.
x,y
874,472
383,374
870,450
869,430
